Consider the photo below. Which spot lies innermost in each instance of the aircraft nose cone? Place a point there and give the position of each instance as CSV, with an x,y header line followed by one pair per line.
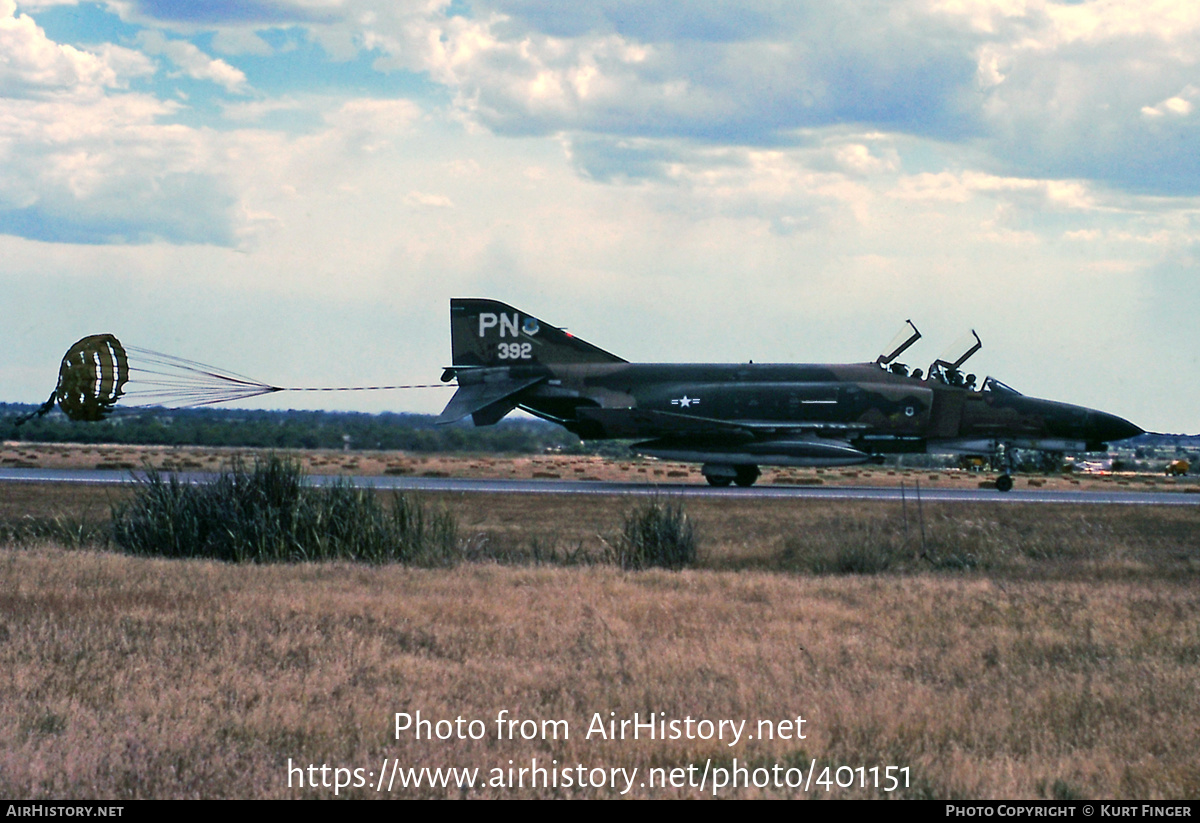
x,y
1111,427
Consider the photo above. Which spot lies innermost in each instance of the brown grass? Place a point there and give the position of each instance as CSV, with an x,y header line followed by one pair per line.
x,y
1062,661
131,678
550,466
1008,540
1012,541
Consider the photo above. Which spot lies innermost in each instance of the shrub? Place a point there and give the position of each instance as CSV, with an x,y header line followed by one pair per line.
x,y
656,534
267,514
74,532
429,539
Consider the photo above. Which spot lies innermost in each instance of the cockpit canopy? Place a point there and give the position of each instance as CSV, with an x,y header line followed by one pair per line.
x,y
944,373
904,338
945,369
993,385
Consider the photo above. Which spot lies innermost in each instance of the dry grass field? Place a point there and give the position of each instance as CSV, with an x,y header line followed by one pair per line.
x,y
132,678
1025,652
549,466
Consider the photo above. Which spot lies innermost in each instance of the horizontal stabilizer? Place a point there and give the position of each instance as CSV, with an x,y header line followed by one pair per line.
x,y
486,395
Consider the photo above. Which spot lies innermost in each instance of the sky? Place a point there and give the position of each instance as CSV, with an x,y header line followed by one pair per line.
x,y
294,189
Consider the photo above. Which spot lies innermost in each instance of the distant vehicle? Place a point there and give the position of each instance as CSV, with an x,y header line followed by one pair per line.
x,y
1178,468
1094,466
733,418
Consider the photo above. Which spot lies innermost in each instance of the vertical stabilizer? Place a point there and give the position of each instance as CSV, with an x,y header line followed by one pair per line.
x,y
491,333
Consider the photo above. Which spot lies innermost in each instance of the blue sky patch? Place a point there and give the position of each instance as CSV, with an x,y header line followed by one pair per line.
x,y
215,12
83,25
301,66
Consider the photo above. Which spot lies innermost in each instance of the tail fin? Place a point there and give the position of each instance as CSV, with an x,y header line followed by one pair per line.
x,y
491,333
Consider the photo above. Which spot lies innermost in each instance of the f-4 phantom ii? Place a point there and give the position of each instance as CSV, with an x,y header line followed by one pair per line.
x,y
733,418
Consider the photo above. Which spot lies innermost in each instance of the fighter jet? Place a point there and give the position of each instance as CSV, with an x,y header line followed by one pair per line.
x,y
733,418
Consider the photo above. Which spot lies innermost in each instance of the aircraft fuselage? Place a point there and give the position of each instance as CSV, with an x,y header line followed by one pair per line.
x,y
876,411
735,417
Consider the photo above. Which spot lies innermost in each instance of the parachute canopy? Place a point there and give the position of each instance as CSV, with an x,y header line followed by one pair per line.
x,y
91,378
98,371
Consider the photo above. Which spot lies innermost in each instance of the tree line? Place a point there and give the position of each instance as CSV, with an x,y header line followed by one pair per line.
x,y
287,430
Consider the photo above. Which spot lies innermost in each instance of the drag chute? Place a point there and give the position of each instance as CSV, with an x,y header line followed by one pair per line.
x,y
91,378
98,371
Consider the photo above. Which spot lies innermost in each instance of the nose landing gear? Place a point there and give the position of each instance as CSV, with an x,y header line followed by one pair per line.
x,y
1002,456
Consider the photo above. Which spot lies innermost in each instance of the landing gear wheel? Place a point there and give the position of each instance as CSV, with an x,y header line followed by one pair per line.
x,y
1002,458
718,480
746,475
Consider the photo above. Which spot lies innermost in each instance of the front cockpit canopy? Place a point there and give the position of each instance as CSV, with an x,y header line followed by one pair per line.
x,y
993,385
947,371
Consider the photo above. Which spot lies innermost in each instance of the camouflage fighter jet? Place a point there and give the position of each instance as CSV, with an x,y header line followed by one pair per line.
x,y
733,418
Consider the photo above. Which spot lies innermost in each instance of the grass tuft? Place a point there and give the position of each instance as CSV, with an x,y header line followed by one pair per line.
x,y
656,534
267,514
71,531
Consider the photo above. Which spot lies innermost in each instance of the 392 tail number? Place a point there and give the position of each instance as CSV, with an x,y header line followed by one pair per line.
x,y
514,351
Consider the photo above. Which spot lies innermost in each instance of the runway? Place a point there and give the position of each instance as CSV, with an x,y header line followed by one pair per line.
x,y
515,486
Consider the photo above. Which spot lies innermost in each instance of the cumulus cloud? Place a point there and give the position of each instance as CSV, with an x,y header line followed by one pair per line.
x,y
1039,88
1036,88
608,159
193,62
656,71
736,102
86,161
963,186
1091,91
241,41
33,66
422,199
1094,90
105,172
369,126
1180,105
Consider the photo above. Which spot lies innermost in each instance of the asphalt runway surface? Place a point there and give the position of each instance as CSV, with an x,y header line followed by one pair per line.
x,y
512,486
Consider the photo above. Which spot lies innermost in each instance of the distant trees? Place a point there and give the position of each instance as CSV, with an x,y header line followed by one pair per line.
x,y
288,430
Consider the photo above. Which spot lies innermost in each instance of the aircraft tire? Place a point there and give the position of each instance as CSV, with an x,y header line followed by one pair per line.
x,y
1004,483
717,480
746,475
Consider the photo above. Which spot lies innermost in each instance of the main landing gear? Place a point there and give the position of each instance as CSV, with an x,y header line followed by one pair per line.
x,y
720,474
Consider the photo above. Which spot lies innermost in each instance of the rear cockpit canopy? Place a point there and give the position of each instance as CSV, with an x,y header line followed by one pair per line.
x,y
904,338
